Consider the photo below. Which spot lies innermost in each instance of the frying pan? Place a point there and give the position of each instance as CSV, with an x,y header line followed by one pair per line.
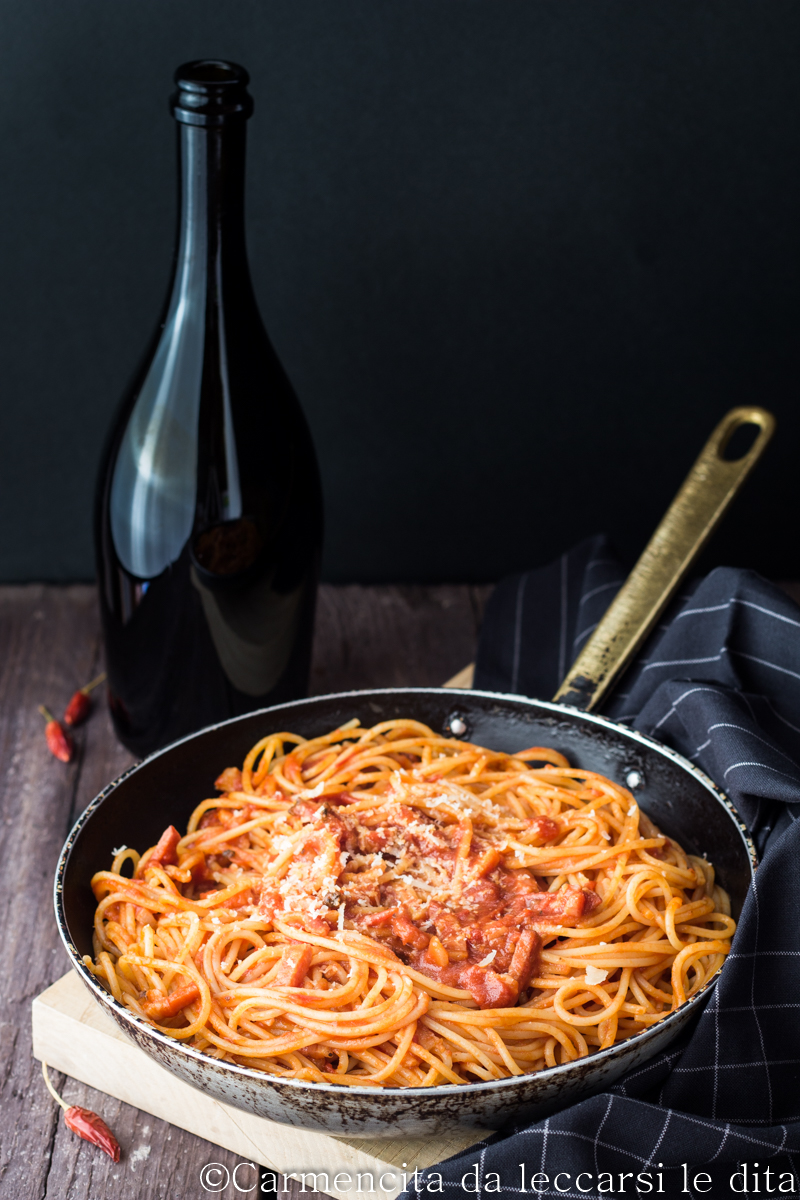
x,y
676,795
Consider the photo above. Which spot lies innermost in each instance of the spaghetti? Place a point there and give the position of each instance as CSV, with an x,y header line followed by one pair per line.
x,y
387,907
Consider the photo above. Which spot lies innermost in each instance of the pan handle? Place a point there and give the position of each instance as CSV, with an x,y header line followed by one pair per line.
x,y
689,522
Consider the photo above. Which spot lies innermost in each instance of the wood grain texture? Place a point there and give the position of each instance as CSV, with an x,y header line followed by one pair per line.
x,y
71,1031
394,636
49,645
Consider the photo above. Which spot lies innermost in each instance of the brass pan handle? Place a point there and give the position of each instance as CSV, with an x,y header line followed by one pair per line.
x,y
691,519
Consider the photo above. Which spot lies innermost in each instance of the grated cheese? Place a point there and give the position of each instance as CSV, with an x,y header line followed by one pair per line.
x,y
596,975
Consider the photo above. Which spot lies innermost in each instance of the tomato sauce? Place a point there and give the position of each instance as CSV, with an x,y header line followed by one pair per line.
x,y
441,898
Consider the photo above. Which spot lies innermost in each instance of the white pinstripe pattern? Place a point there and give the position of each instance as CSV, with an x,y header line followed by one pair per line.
x,y
764,953
546,1131
681,698
775,712
738,1066
765,766
739,1132
599,1131
652,1156
668,1057
584,634
750,733
769,612
729,1078
603,587
714,1006
745,1137
721,1145
754,892
684,662
545,1134
765,663
734,1008
693,612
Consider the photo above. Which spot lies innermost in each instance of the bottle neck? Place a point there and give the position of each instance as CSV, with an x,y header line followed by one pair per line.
x,y
211,225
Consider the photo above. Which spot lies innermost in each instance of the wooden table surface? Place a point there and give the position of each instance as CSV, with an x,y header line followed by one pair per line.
x,y
49,645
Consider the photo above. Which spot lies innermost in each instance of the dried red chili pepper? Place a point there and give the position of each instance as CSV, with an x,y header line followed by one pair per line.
x,y
78,709
59,743
80,705
85,1123
92,1128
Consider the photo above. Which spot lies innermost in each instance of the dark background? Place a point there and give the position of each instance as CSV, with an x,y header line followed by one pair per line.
x,y
517,257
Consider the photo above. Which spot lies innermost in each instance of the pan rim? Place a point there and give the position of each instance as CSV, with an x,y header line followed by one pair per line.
x,y
124,1016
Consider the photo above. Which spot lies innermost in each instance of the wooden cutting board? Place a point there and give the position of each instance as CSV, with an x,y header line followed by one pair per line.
x,y
73,1035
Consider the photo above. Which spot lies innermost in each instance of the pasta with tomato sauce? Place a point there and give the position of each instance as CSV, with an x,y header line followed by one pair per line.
x,y
387,907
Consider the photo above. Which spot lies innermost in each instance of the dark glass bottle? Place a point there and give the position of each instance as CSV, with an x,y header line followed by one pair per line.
x,y
208,520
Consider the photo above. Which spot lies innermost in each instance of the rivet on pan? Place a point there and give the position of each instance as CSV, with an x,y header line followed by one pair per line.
x,y
633,779
457,726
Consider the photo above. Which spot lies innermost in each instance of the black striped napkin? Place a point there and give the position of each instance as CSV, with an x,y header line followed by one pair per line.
x,y
719,681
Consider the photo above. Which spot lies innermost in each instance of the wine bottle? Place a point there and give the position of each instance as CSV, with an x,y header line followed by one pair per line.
x,y
208,517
